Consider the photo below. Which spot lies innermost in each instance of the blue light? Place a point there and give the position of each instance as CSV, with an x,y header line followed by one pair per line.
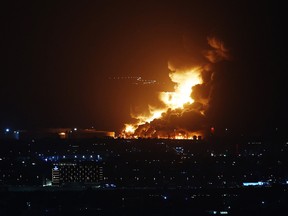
x,y
7,130
253,183
164,197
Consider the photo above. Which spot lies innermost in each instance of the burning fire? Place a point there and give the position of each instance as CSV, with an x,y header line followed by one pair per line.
x,y
183,88
184,82
183,115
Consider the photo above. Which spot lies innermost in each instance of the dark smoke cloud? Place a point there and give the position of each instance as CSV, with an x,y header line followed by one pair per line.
x,y
219,51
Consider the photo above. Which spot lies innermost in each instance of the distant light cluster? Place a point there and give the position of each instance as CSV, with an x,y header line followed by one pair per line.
x,y
136,80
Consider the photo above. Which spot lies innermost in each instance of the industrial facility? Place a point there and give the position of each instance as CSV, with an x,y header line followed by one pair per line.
x,y
56,133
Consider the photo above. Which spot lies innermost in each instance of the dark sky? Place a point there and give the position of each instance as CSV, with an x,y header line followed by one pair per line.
x,y
57,57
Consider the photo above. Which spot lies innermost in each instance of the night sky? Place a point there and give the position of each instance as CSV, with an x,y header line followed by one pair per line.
x,y
58,58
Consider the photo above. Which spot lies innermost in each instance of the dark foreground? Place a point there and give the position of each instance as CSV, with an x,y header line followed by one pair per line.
x,y
168,202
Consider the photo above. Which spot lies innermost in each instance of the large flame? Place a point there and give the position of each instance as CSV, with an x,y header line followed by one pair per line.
x,y
183,88
184,82
183,114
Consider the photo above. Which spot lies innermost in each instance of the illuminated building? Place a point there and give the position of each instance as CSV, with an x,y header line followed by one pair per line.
x,y
55,176
76,173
